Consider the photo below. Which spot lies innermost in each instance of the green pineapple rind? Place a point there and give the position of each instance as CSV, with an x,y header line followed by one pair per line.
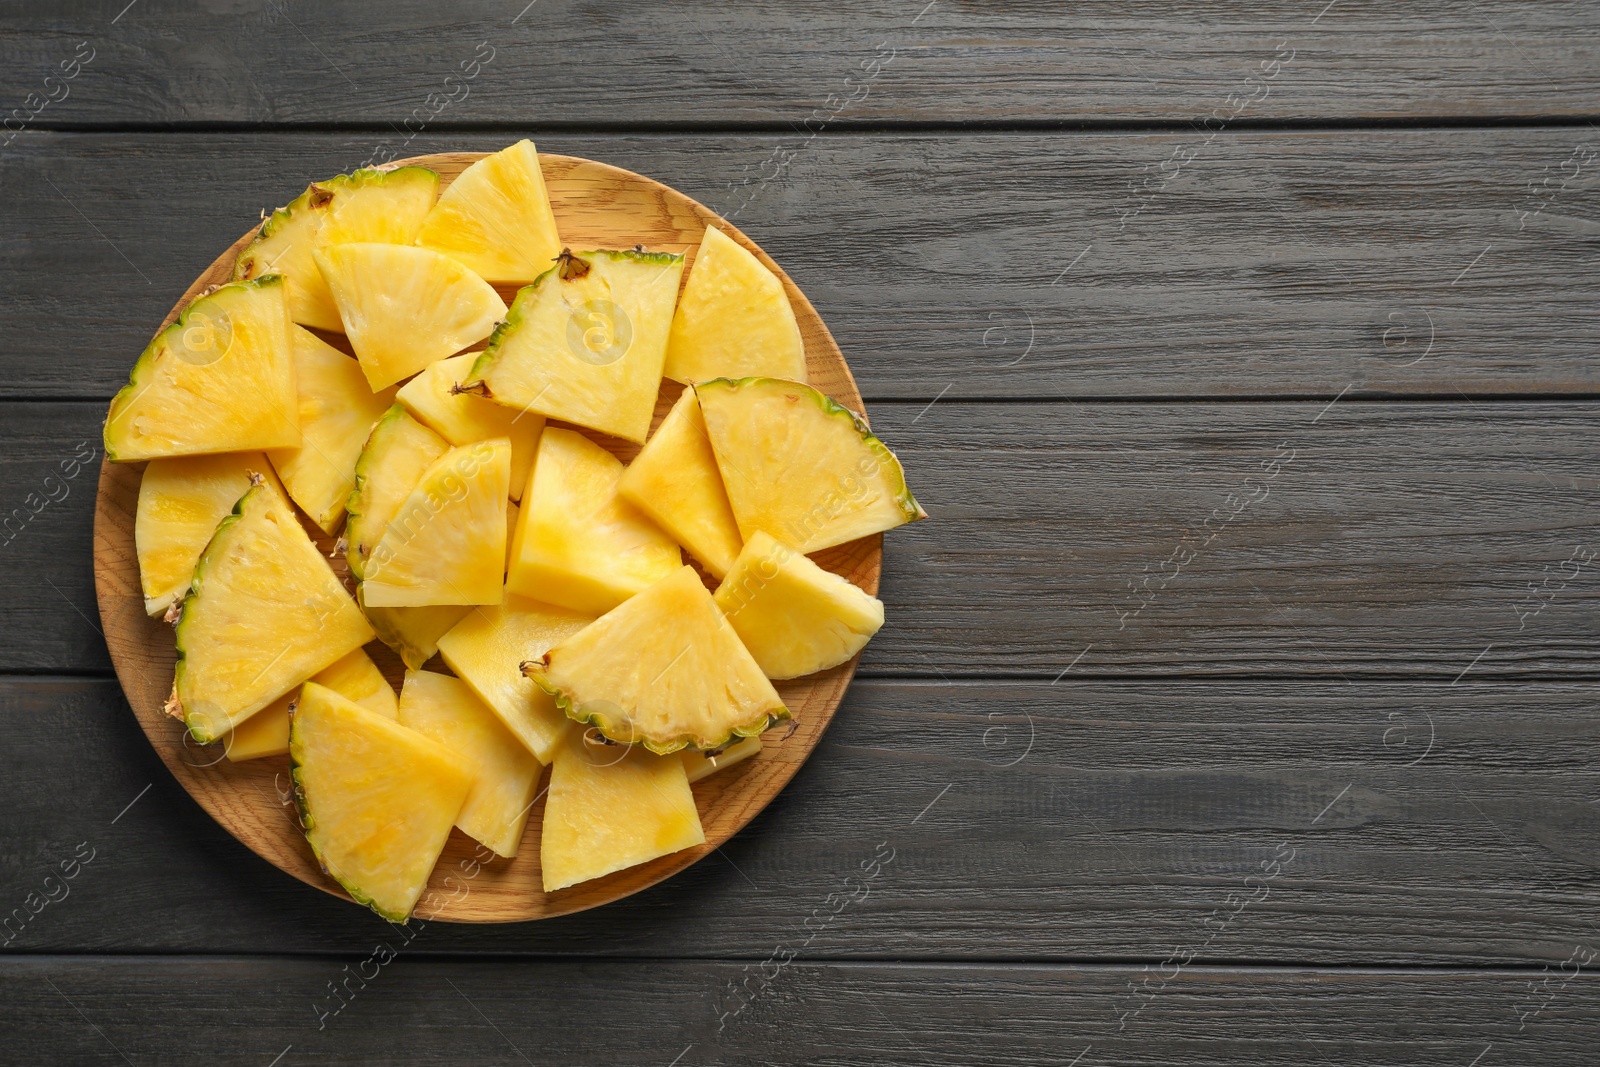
x,y
355,503
147,359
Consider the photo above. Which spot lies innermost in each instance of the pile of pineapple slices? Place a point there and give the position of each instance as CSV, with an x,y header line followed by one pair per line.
x,y
362,378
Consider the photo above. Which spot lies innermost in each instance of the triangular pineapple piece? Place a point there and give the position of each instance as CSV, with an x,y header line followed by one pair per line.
x,y
337,413
391,463
377,799
461,418
266,733
733,320
403,307
219,379
413,633
368,205
675,481
793,616
181,500
264,613
447,542
578,544
699,764
799,466
586,342
665,670
504,773
496,218
609,808
486,650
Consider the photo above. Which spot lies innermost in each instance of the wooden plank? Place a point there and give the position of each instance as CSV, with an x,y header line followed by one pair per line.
x,y
1402,262
596,62
83,1010
1266,822
1342,541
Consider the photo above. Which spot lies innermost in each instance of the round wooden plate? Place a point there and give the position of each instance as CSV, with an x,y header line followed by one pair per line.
x,y
596,206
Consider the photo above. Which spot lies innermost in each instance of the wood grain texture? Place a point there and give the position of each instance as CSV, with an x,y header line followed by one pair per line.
x,y
423,1012
663,63
595,206
1401,540
1391,263
1085,821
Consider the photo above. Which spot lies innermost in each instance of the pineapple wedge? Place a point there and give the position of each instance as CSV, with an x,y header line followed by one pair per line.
x,y
377,799
586,342
699,764
368,205
403,308
413,633
447,542
578,544
461,418
486,650
609,808
504,773
337,413
264,613
496,219
266,733
799,466
733,320
793,616
675,481
665,670
219,379
181,500
391,463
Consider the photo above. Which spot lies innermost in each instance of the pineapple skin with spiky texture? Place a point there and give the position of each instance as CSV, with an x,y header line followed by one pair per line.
x,y
800,466
496,219
266,733
459,416
733,320
219,379
793,616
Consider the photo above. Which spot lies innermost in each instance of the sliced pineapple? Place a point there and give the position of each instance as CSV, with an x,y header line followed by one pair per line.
x,y
675,481
447,542
578,544
377,799
337,413
391,463
664,670
369,205
264,613
609,808
219,379
266,733
800,467
793,616
504,773
496,218
181,500
461,418
733,320
413,633
404,307
585,342
486,650
699,764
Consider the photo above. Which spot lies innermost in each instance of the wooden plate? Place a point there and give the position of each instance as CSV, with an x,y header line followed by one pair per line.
x,y
596,206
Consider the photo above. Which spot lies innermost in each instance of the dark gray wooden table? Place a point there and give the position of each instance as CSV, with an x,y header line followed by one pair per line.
x,y
1239,700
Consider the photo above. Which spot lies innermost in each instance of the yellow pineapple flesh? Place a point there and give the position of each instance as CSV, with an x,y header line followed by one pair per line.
x,y
664,670
578,544
496,219
396,454
486,650
504,773
799,466
675,481
434,399
611,807
377,799
266,733
734,319
337,413
700,765
219,379
413,633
